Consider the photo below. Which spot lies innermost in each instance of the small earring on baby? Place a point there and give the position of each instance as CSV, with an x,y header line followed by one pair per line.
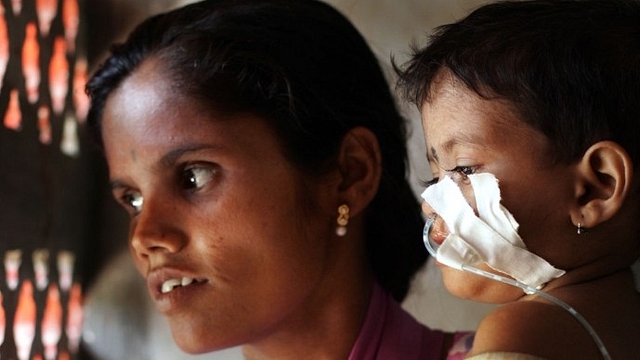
x,y
343,220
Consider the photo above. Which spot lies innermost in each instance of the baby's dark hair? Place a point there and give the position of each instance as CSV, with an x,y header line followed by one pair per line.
x,y
571,68
302,67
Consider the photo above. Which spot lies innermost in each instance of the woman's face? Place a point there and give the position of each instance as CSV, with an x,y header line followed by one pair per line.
x,y
467,134
230,237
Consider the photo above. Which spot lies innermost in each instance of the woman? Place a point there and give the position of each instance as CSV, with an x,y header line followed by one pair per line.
x,y
259,152
530,111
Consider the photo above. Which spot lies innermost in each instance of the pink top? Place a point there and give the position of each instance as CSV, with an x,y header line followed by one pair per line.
x,y
390,333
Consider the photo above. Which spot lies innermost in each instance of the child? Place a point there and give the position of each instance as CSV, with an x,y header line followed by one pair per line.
x,y
531,114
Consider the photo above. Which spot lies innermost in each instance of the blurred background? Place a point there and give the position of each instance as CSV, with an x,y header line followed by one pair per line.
x,y
62,237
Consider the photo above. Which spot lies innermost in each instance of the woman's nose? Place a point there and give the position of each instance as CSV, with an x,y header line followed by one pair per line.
x,y
156,229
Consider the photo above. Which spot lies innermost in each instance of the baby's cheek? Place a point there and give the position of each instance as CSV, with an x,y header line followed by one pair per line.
x,y
426,209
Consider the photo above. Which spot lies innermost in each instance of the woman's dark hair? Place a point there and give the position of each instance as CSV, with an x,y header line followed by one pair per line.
x,y
304,68
571,68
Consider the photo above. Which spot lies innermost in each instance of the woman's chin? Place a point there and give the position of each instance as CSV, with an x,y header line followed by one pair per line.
x,y
191,343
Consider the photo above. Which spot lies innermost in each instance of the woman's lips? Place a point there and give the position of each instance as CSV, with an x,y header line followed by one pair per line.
x,y
180,298
173,289
165,280
169,285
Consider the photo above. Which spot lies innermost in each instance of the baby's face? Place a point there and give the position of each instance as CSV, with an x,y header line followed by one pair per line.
x,y
466,134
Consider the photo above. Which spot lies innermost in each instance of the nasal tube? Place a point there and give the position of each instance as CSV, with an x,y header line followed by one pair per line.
x,y
432,249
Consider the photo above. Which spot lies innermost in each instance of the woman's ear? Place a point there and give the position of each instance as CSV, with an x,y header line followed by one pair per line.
x,y
604,178
360,167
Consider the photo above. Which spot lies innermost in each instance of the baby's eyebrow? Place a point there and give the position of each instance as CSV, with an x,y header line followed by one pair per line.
x,y
447,146
433,155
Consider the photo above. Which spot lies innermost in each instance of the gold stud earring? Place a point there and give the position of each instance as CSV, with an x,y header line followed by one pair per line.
x,y
580,229
343,220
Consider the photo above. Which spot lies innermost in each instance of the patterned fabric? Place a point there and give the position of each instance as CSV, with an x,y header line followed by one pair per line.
x,y
390,333
48,197
462,342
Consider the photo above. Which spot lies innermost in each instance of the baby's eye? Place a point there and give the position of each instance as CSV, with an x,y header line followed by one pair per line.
x,y
464,170
196,177
133,200
460,173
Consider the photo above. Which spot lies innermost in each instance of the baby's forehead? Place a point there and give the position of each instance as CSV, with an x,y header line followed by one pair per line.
x,y
444,81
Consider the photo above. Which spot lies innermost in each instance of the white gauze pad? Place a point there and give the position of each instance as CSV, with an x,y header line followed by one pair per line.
x,y
491,237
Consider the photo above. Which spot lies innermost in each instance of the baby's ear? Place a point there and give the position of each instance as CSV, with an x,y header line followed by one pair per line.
x,y
360,166
604,178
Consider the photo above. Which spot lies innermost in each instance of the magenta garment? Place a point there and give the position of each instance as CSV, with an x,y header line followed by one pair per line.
x,y
390,333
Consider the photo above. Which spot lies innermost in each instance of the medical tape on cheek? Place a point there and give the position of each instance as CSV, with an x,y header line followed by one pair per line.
x,y
491,211
491,238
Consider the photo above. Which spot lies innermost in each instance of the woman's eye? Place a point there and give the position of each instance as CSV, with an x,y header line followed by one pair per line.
x,y
133,200
196,177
